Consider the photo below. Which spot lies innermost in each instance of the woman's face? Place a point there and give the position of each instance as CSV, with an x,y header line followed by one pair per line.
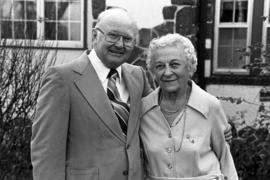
x,y
171,69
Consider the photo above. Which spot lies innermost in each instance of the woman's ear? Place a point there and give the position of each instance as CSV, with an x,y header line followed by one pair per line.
x,y
191,71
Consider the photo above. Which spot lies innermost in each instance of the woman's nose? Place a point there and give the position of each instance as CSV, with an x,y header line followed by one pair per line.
x,y
168,70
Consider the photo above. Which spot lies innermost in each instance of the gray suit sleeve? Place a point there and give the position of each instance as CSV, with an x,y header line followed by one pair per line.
x,y
49,128
147,88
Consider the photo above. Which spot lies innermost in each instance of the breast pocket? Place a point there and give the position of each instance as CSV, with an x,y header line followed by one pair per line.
x,y
83,174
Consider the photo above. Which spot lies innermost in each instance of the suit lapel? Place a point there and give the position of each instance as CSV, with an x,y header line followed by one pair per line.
x,y
91,88
132,85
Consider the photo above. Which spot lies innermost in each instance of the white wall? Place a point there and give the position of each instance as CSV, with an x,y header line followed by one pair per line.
x,y
244,110
147,13
64,56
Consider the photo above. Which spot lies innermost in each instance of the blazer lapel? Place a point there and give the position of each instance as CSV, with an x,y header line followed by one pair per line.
x,y
91,88
132,85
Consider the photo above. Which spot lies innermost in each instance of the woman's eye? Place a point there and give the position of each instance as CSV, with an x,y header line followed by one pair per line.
x,y
175,65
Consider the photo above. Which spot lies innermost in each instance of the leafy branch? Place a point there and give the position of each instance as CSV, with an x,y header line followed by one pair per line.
x,y
259,65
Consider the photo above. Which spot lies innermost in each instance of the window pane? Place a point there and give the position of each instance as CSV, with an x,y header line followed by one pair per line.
x,y
230,58
63,13
229,41
267,59
5,8
75,31
241,11
225,37
226,11
225,59
75,10
31,12
6,29
69,11
268,16
19,10
31,30
50,31
19,29
50,10
62,31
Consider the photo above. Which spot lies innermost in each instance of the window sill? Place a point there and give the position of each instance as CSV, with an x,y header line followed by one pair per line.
x,y
238,80
45,44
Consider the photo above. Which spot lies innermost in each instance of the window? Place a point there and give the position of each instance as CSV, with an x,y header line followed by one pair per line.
x,y
56,21
266,29
232,31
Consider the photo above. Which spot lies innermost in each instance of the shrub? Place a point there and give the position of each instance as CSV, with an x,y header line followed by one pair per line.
x,y
250,143
21,69
250,150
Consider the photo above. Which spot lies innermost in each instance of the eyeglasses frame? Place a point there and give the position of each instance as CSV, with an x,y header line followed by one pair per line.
x,y
132,42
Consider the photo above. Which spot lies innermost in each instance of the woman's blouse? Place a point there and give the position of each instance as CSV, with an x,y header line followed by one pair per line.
x,y
194,146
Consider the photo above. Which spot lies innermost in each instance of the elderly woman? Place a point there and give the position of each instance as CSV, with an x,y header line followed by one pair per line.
x,y
182,126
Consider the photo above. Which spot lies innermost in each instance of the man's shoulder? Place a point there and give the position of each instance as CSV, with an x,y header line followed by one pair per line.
x,y
79,62
132,66
134,69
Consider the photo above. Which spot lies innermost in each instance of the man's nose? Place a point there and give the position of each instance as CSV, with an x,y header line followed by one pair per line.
x,y
120,42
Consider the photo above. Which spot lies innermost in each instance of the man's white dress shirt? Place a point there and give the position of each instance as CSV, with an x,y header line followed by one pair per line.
x,y
102,73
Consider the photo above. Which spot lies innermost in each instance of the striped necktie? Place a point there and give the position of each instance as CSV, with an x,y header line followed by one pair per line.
x,y
120,108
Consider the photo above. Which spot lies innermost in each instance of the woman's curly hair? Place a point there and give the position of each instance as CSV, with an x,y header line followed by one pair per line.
x,y
173,40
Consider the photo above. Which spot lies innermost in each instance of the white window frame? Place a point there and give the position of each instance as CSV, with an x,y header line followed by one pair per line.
x,y
40,9
218,25
266,23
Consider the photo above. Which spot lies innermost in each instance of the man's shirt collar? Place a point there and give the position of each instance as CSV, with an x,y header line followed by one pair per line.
x,y
101,70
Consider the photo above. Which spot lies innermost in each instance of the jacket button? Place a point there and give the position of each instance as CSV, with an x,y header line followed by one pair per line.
x,y
169,150
125,173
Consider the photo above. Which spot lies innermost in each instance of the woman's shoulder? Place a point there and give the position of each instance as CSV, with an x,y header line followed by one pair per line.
x,y
203,95
150,101
203,101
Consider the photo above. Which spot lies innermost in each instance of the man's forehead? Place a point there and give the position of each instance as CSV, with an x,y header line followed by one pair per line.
x,y
120,19
115,16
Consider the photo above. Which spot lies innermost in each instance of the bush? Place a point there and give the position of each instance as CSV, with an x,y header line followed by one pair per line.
x,y
21,69
250,150
250,146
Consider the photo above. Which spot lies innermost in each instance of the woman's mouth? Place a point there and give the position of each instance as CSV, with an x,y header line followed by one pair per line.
x,y
168,80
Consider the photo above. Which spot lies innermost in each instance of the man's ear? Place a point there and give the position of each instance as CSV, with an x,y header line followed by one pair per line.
x,y
94,35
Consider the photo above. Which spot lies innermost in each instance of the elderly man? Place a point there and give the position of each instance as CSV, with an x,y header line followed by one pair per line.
x,y
87,118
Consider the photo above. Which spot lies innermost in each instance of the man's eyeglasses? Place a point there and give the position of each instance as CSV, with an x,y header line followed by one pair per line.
x,y
114,37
